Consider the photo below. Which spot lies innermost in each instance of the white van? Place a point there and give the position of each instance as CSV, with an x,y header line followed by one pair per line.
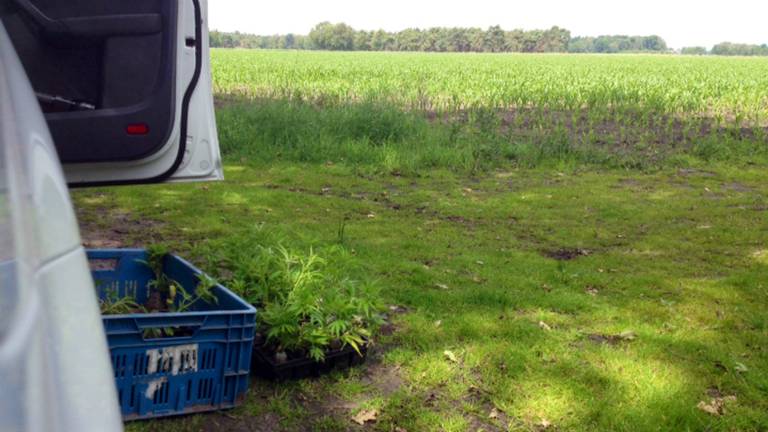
x,y
92,92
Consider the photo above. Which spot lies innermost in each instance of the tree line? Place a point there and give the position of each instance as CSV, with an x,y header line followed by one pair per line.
x,y
342,37
729,49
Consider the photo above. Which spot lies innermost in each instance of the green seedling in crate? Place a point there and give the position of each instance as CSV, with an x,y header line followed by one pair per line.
x,y
114,304
166,295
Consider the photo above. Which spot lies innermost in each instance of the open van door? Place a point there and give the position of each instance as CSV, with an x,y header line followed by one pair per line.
x,y
125,87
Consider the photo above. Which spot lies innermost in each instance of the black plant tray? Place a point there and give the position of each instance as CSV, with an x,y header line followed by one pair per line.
x,y
264,364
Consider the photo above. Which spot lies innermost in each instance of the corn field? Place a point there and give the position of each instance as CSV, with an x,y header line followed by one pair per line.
x,y
723,88
646,105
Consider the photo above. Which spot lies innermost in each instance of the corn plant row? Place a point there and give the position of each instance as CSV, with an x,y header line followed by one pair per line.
x,y
725,90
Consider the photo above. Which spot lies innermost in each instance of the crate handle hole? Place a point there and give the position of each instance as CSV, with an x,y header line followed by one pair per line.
x,y
101,264
154,333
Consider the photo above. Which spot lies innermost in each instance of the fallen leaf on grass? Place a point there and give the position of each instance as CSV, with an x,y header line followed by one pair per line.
x,y
441,286
592,291
716,406
450,356
740,367
494,414
543,425
708,408
438,323
628,335
365,416
545,326
667,303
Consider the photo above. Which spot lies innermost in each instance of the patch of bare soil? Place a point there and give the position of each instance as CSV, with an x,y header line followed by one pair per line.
x,y
225,422
737,187
629,183
223,100
114,230
617,131
613,340
383,198
686,172
566,254
383,380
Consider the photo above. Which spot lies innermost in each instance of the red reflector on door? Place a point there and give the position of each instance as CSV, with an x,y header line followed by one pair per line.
x,y
137,129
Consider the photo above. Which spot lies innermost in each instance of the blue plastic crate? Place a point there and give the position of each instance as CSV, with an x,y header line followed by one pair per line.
x,y
204,367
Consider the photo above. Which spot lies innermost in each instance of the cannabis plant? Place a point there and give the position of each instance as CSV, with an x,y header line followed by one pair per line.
x,y
305,307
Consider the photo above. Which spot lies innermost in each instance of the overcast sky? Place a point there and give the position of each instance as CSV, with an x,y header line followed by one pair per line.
x,y
679,22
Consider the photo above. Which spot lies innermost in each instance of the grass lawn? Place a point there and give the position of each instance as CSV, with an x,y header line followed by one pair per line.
x,y
519,299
